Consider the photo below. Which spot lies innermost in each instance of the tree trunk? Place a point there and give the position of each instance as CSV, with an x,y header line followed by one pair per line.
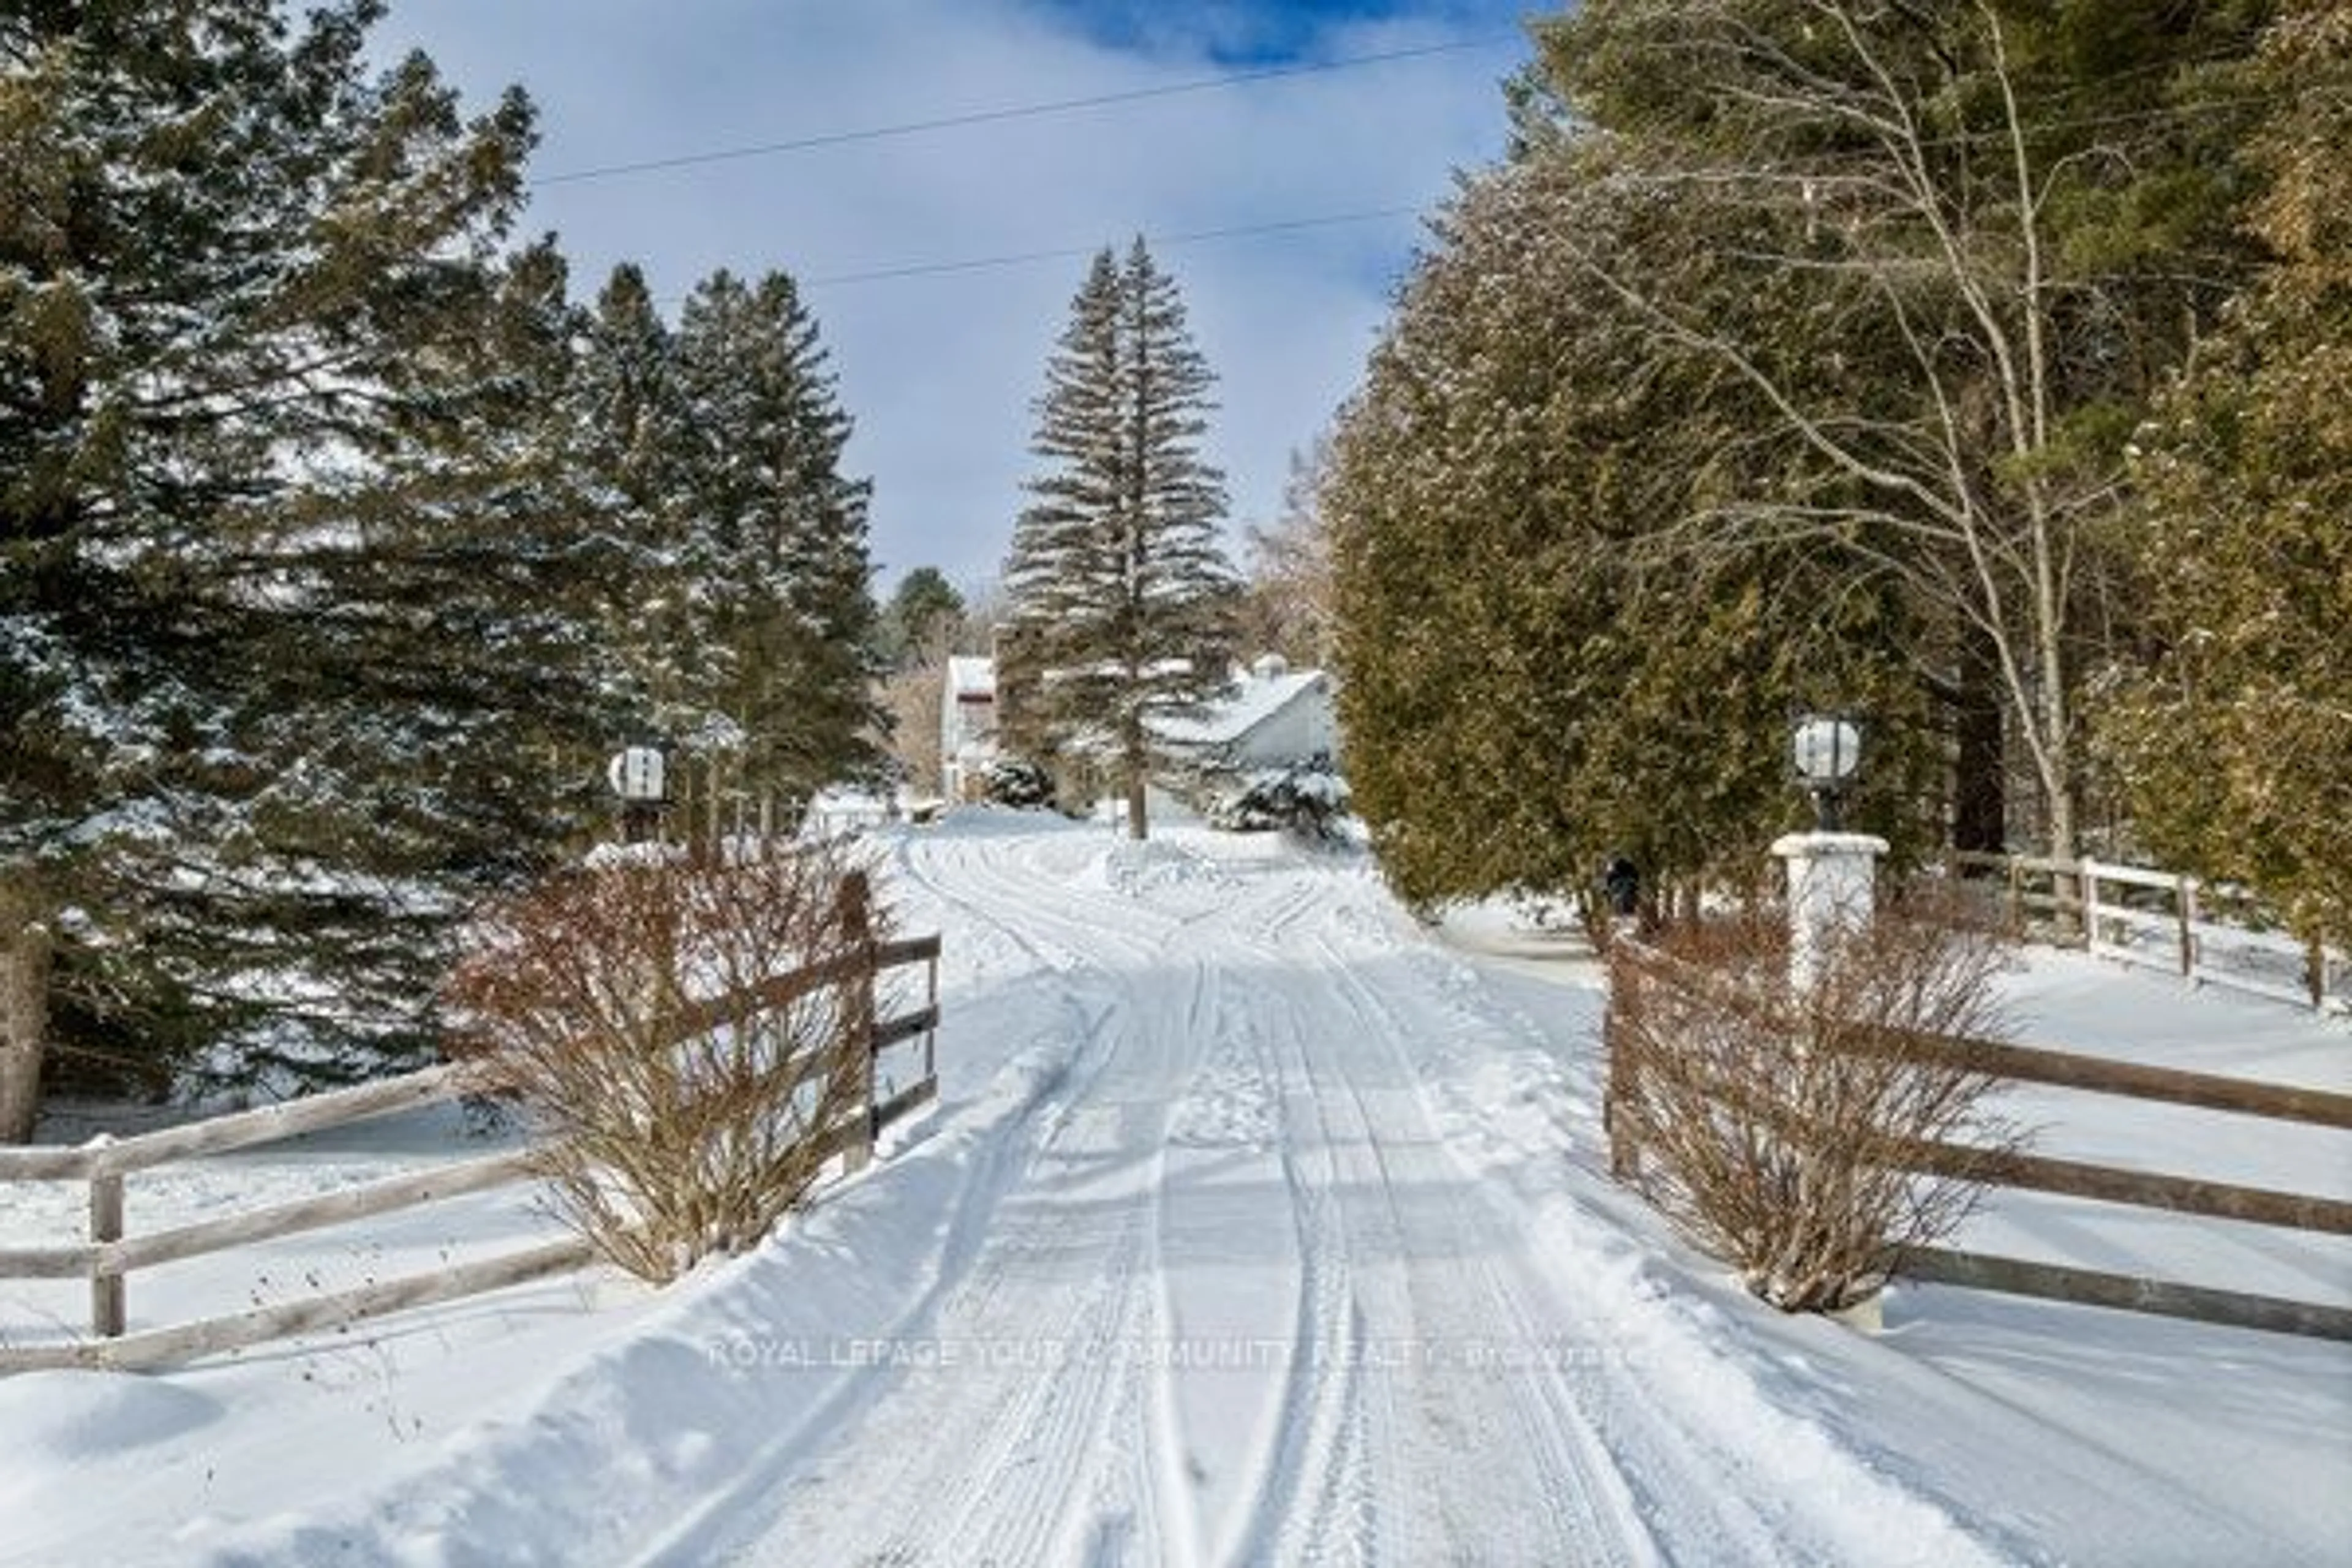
x,y
24,1018
2058,748
1137,785
2068,883
1980,778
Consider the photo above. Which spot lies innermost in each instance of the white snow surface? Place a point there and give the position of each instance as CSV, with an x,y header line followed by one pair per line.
x,y
1255,1225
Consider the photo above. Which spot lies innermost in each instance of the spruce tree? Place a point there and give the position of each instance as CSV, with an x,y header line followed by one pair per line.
x,y
274,519
627,431
772,543
743,631
1120,599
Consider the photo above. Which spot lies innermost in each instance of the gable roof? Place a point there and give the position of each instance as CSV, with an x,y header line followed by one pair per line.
x,y
1253,701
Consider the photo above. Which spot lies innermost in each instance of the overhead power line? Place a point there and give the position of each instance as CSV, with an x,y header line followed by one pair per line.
x,y
1068,252
1017,111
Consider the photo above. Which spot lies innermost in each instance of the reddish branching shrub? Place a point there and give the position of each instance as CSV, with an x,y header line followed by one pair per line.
x,y
685,1095
1773,1126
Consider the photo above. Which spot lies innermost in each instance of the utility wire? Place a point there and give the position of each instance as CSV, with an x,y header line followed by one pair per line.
x,y
1065,253
1016,111
1832,161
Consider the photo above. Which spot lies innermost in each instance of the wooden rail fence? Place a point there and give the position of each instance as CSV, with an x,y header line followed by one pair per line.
x,y
108,1257
2069,1178
2208,933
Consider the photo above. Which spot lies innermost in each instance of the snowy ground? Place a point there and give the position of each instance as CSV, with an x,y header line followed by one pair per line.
x,y
1256,1226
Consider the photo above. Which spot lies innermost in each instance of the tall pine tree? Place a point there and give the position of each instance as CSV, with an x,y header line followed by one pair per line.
x,y
1120,599
773,543
628,434
272,685
743,630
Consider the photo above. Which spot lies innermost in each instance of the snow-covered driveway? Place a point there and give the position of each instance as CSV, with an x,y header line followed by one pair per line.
x,y
1255,1227
1230,1296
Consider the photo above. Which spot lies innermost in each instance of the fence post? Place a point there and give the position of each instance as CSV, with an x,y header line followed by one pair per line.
x,y
931,1000
107,1311
857,1016
2071,899
2315,973
2186,901
1625,1157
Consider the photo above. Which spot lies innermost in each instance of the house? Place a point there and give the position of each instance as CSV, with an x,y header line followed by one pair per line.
x,y
1273,717
967,726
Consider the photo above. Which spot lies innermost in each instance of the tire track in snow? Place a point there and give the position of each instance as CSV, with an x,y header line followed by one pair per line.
x,y
983,1467
1443,1293
729,1524
722,1525
1703,1488
1316,1495
1580,1430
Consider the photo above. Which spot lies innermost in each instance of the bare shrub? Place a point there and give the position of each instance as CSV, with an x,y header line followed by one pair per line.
x,y
1773,1126
683,1095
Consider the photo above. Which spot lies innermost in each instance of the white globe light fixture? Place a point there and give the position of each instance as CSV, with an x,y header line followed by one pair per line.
x,y
1827,752
638,775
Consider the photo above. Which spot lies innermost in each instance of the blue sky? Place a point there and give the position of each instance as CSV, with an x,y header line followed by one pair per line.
x,y
1253,32
941,262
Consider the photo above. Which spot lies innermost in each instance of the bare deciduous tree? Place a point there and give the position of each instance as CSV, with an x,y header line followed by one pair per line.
x,y
1288,594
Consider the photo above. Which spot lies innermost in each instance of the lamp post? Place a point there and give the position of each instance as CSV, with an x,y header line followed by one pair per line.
x,y
1826,751
1830,871
639,777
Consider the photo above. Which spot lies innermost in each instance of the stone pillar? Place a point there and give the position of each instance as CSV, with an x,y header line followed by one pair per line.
x,y
1830,881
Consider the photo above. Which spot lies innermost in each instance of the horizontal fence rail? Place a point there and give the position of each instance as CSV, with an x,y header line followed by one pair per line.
x,y
2209,933
2126,1292
108,1257
2004,1062
2135,1080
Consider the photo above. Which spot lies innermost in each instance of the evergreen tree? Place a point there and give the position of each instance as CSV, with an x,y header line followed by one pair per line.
x,y
1536,679
1119,601
263,383
2013,215
744,628
1788,357
626,397
629,437
771,547
2232,742
921,620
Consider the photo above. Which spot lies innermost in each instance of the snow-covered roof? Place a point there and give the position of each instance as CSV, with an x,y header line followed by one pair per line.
x,y
1255,696
1252,700
969,675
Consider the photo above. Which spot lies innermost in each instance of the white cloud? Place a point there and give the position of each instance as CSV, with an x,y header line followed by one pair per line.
x,y
938,371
